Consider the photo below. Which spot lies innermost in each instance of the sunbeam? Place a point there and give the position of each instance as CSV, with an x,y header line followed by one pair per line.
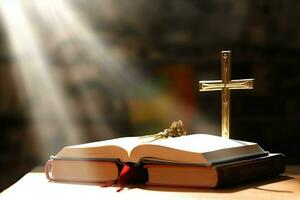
x,y
57,47
46,100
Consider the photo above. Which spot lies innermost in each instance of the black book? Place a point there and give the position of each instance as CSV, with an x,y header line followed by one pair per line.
x,y
218,175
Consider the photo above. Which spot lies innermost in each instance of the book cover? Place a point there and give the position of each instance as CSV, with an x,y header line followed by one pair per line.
x,y
219,175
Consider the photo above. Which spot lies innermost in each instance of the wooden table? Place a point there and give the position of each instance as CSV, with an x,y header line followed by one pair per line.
x,y
34,185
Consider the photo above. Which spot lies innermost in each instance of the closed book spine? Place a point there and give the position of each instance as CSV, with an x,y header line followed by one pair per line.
x,y
250,170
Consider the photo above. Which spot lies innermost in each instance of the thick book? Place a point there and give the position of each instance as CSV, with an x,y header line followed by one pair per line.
x,y
219,175
103,161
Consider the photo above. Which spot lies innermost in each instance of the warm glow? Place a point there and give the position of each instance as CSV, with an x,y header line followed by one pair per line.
x,y
31,26
35,76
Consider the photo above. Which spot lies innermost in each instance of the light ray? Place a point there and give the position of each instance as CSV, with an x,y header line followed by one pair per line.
x,y
46,100
86,56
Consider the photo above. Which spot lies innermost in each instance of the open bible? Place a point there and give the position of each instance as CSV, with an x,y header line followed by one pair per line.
x,y
103,161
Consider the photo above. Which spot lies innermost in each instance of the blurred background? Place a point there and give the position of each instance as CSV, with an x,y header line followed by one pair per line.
x,y
74,71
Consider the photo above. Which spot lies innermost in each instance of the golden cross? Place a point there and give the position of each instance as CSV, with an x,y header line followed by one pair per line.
x,y
225,85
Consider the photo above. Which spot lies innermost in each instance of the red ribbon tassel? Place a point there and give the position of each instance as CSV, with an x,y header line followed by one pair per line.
x,y
132,174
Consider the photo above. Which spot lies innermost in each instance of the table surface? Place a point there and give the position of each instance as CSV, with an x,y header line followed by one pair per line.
x,y
34,185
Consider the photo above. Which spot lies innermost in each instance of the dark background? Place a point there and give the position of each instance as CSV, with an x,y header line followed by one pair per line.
x,y
174,44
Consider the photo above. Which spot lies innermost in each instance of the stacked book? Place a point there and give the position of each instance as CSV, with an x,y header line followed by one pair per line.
x,y
197,160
